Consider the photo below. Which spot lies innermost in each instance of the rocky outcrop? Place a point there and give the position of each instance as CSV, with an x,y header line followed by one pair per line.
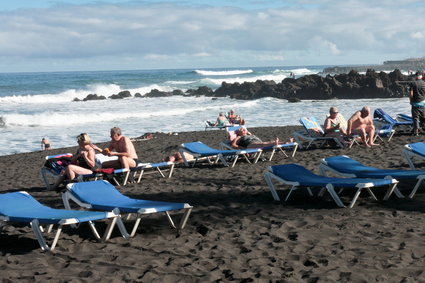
x,y
121,95
91,97
341,86
344,86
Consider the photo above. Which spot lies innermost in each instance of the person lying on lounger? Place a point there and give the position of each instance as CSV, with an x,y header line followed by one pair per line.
x,y
81,163
245,139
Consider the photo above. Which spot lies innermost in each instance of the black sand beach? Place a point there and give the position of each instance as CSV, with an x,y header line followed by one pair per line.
x,y
236,232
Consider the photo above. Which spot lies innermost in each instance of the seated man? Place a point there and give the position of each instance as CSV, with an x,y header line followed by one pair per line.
x,y
361,123
122,147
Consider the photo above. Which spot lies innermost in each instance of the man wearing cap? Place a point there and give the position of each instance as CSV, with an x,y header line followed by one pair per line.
x,y
417,100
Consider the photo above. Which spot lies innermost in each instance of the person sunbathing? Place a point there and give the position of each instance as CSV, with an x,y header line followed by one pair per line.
x,y
81,163
335,125
245,139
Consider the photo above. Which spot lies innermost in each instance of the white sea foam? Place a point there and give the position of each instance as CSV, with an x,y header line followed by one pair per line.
x,y
223,73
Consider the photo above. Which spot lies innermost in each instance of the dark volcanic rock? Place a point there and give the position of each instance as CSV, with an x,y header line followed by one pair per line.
x,y
158,93
202,90
343,86
121,95
91,97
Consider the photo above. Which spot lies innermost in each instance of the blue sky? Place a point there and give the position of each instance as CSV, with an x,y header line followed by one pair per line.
x,y
73,35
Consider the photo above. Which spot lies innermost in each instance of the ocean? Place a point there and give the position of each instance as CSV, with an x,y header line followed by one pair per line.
x,y
37,105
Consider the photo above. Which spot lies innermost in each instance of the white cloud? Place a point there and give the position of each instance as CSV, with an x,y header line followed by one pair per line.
x,y
178,35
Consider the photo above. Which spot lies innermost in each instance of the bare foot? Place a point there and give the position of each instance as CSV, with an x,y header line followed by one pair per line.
x,y
276,141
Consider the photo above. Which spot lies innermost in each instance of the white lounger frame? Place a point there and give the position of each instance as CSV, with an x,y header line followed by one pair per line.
x,y
38,229
269,176
324,168
67,196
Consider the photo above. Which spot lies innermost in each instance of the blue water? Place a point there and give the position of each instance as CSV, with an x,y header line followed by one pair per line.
x,y
36,105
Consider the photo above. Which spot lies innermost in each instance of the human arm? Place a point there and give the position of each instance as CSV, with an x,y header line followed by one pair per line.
x,y
350,121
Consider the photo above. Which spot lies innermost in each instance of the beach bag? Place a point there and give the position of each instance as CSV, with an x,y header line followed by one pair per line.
x,y
57,164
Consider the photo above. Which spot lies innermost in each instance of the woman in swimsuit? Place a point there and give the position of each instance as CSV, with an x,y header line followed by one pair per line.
x,y
81,163
335,125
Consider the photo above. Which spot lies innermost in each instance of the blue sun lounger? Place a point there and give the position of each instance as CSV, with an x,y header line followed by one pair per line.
x,y
412,150
200,150
297,176
101,195
22,207
313,134
345,166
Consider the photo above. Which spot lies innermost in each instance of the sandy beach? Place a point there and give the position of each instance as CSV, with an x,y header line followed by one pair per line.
x,y
236,232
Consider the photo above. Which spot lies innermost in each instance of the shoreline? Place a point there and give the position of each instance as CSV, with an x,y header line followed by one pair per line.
x,y
236,231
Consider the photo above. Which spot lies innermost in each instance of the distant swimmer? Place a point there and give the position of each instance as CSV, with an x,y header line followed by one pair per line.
x,y
45,144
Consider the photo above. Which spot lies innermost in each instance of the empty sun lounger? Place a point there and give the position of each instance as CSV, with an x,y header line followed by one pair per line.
x,y
297,176
413,150
345,166
23,208
101,195
200,150
313,134
393,123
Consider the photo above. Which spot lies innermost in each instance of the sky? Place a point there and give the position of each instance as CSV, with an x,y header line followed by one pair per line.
x,y
83,35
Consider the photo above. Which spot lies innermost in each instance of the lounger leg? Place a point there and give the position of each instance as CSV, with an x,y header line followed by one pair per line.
x,y
140,176
356,196
272,188
93,229
170,220
272,154
372,194
391,189
171,170
109,229
293,188
136,225
257,156
35,225
184,218
338,201
408,157
235,160
160,172
121,227
295,150
418,183
55,240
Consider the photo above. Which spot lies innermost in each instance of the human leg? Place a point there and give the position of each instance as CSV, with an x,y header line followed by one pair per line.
x,y
127,162
416,116
73,170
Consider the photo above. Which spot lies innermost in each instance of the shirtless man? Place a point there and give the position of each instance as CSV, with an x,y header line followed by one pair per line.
x,y
122,147
361,124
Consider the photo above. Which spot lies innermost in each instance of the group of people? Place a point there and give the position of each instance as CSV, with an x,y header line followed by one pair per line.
x,y
83,162
231,119
360,123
